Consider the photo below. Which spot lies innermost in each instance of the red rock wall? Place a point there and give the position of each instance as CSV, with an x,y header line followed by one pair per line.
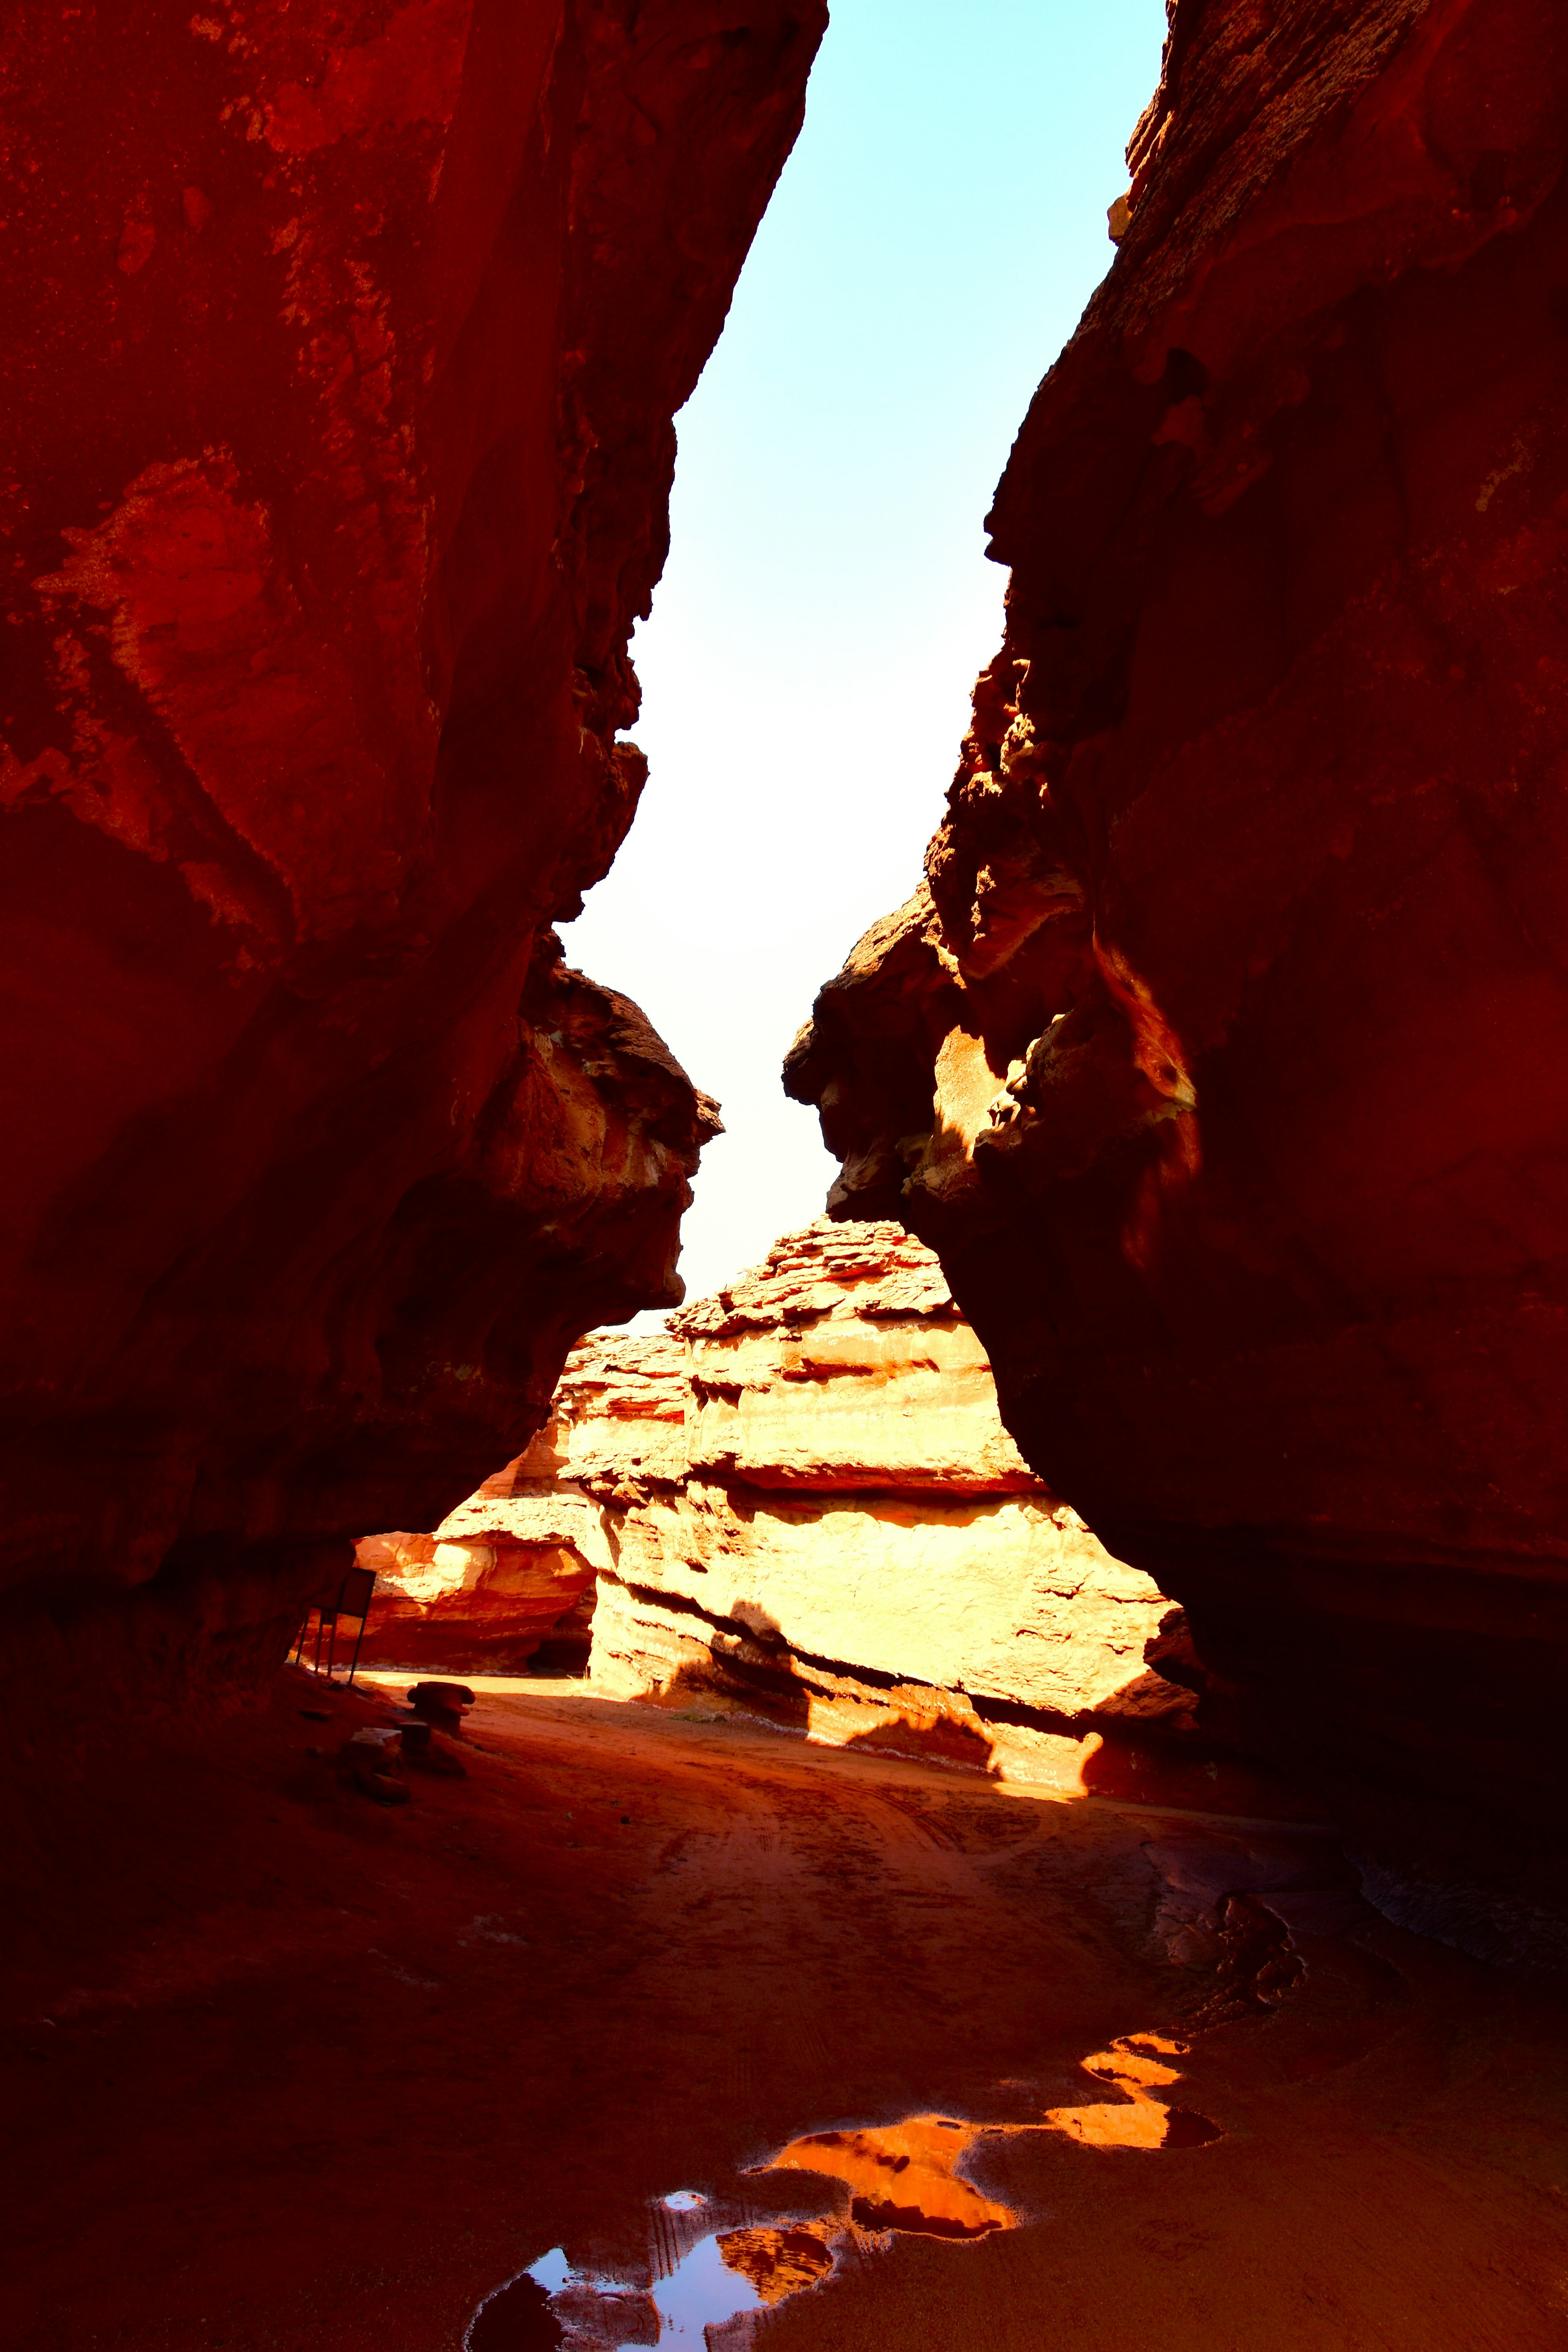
x,y
499,1603
813,1513
508,1573
1221,1054
342,347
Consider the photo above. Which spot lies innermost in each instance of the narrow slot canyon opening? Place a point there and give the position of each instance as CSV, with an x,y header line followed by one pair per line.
x,y
908,1708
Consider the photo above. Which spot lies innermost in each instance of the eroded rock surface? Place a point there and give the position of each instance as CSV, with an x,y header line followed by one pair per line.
x,y
1219,1052
812,1507
342,347
510,1570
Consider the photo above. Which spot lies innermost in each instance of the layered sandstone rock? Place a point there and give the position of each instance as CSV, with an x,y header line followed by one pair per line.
x,y
812,1508
509,1571
343,348
1219,1053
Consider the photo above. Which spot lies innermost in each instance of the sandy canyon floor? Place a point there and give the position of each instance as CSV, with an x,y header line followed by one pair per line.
x,y
300,2071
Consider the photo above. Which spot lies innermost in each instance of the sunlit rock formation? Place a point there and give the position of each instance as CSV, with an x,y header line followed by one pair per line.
x,y
1219,1053
342,354
508,1573
813,1510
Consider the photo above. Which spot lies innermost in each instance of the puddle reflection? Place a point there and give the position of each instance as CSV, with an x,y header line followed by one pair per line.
x,y
705,2269
1136,2065
780,2262
703,2297
902,2177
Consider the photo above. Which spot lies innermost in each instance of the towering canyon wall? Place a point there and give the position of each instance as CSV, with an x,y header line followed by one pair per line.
x,y
1219,1053
811,1509
343,348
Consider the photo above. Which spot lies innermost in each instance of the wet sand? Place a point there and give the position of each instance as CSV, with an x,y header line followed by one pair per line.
x,y
287,2069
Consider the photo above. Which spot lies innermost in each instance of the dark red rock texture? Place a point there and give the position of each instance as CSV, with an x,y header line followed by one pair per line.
x,y
343,346
1221,1055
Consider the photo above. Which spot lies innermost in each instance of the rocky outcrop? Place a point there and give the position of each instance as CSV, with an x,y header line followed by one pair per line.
x,y
508,1573
812,1510
342,350
1218,1052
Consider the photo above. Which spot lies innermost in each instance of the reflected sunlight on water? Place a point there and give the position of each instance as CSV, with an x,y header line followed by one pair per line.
x,y
704,2267
901,2177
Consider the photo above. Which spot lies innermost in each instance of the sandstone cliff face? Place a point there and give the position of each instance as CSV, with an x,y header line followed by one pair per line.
x,y
1218,1055
812,1507
343,348
510,1570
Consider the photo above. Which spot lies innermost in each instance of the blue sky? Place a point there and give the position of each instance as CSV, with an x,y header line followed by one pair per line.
x,y
826,604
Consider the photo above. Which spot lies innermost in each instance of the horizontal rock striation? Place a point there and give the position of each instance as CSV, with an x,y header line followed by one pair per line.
x,y
813,1510
508,1573
342,350
1218,1052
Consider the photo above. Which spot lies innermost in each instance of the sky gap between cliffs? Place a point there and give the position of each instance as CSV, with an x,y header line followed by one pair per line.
x,y
807,667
